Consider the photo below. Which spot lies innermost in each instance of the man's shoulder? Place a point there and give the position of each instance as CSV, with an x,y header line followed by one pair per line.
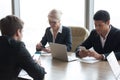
x,y
15,44
93,31
10,43
115,30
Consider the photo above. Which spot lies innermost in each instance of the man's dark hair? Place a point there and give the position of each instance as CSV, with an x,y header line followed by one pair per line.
x,y
102,15
10,24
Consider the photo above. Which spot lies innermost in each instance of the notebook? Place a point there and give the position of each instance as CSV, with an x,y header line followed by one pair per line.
x,y
59,51
114,65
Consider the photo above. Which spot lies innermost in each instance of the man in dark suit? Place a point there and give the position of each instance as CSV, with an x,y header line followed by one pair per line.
x,y
103,39
13,54
56,33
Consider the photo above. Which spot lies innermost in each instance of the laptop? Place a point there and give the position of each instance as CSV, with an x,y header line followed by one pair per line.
x,y
114,65
59,51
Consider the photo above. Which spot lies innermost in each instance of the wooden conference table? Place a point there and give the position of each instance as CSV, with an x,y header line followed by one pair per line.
x,y
75,70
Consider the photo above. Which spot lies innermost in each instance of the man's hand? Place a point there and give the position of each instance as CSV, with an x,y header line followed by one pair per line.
x,y
83,53
92,53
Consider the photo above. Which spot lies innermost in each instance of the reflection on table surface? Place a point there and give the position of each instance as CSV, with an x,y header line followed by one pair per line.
x,y
75,70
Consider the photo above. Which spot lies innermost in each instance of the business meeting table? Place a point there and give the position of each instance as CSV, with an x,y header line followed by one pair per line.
x,y
75,70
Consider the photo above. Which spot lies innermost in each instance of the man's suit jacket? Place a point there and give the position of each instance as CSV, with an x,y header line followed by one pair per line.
x,y
112,42
14,57
62,38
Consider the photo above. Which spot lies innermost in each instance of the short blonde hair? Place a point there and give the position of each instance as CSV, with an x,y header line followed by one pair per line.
x,y
55,15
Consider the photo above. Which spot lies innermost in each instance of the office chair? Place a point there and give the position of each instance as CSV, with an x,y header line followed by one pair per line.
x,y
79,34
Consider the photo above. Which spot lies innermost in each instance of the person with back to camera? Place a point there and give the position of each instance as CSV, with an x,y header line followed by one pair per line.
x,y
104,39
13,54
56,33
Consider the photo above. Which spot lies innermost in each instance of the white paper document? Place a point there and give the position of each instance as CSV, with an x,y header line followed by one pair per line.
x,y
89,60
24,74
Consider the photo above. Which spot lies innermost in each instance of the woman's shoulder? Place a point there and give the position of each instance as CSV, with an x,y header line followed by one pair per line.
x,y
66,27
48,28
